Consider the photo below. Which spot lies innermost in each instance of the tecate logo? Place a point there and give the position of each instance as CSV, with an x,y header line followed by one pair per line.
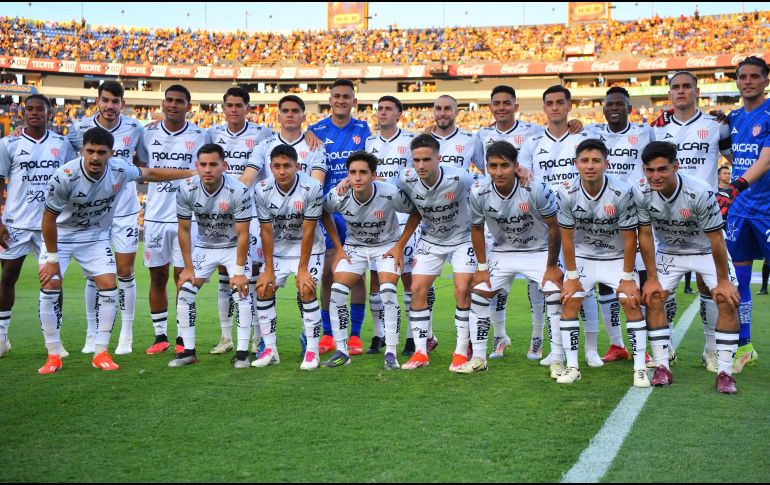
x,y
653,64
708,61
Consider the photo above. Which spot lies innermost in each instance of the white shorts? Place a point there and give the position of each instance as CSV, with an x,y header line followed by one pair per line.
x,y
671,268
288,266
96,258
207,260
429,258
503,268
21,242
256,255
124,234
161,243
604,271
365,257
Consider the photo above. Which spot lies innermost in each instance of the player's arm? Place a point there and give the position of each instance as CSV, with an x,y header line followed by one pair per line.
x,y
725,291
50,235
574,126
304,279
319,176
238,280
313,142
164,174
652,289
4,238
572,283
627,285
266,280
552,271
185,247
397,251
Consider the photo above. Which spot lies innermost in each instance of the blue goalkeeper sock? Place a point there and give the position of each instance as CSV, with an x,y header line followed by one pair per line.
x,y
743,274
327,322
357,314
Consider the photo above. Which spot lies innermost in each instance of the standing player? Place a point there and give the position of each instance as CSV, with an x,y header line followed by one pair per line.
x,y
457,146
124,235
171,143
440,195
525,239
598,230
342,135
79,211
748,220
369,209
289,205
223,210
27,162
686,219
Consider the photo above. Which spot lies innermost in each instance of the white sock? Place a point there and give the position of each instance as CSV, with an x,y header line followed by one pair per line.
x,y
497,308
340,315
50,319
462,324
431,301
5,322
537,306
311,317
570,340
106,311
256,330
90,301
660,341
185,314
610,307
244,321
420,321
709,314
267,322
637,340
671,311
378,319
225,307
160,322
479,324
127,299
727,345
391,316
554,308
590,312
407,306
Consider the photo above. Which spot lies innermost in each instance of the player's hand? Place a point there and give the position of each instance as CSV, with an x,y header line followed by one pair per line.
x,y
720,116
664,118
240,283
343,186
186,276
305,281
17,131
652,291
574,126
525,176
555,275
266,284
630,291
313,142
481,276
397,253
48,271
726,292
339,255
428,129
152,124
569,289
726,195
5,238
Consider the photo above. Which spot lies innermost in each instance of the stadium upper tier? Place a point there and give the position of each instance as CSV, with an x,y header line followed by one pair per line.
x,y
651,37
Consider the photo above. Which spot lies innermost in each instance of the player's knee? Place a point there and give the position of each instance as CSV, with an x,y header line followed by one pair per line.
x,y
572,307
340,294
485,294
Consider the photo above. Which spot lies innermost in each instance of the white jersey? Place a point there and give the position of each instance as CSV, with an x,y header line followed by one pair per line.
x,y
28,164
161,148
371,222
699,142
457,150
625,149
681,222
308,159
515,221
519,133
394,154
86,207
238,146
127,134
444,207
288,211
551,160
597,221
215,213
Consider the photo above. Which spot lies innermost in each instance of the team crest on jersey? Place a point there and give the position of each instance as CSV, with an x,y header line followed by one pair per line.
x,y
449,196
224,206
356,139
402,150
116,188
459,148
67,172
189,145
756,130
55,152
299,205
379,214
302,155
703,134
127,140
610,210
524,207
633,140
518,140
250,142
685,213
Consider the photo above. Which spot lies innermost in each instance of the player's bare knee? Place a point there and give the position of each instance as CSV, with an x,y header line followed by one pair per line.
x,y
483,293
572,307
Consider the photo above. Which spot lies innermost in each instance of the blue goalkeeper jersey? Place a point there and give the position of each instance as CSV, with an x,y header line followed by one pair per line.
x,y
750,133
339,144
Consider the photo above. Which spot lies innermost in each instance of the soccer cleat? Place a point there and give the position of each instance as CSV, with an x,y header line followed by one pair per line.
x,y
310,362
746,355
458,360
338,360
88,347
557,368
52,364
377,344
762,291
187,357
499,344
726,383
326,344
266,358
593,359
408,347
104,361
469,351
63,353
474,365
432,344
390,361
224,346
125,346
355,346
649,362
417,360
5,347
569,376
179,345
710,361
161,345
641,379
615,353
241,360
535,351
550,358
662,377
258,346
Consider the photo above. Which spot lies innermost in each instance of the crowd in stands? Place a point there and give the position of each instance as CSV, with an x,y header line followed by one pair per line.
x,y
650,37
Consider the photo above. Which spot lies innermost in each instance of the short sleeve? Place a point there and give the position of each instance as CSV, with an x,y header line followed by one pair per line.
x,y
478,152
477,209
318,160
525,155
564,217
5,160
256,160
708,213
402,202
263,214
545,200
183,204
141,149
725,142
244,207
627,214
314,202
331,202
57,193
74,137
642,209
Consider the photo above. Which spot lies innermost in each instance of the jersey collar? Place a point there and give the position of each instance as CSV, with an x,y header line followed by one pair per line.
x,y
676,192
291,191
438,182
692,120
549,135
87,177
245,128
364,204
438,137
513,128
113,130
294,143
509,196
177,133
621,132
605,182
398,133
216,192
40,141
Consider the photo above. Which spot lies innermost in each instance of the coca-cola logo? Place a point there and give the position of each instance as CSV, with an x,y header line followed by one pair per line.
x,y
737,58
477,70
708,61
604,66
519,68
652,64
559,67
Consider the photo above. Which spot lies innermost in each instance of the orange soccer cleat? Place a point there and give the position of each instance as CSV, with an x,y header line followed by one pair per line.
x,y
104,361
52,364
